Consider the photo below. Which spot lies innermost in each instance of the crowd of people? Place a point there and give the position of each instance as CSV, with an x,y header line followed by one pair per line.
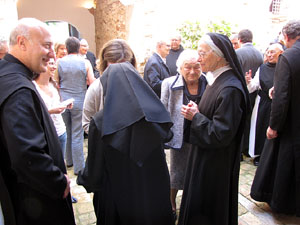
x,y
209,107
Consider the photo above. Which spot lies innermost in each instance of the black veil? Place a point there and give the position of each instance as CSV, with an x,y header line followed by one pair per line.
x,y
225,45
129,103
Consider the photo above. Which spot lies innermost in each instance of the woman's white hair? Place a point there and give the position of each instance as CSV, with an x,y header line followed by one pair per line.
x,y
186,55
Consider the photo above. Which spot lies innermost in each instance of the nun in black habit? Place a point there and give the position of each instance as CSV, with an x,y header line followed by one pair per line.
x,y
210,194
126,166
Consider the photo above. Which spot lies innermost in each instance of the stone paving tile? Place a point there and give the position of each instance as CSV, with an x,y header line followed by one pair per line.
x,y
250,212
241,210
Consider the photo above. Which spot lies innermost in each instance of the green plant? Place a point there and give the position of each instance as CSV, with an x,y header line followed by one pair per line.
x,y
191,32
222,27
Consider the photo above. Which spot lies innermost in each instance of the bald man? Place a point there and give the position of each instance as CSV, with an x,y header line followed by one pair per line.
x,y
32,168
85,53
262,82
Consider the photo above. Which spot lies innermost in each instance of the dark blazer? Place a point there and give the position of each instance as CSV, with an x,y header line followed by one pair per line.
x,y
92,58
249,57
155,72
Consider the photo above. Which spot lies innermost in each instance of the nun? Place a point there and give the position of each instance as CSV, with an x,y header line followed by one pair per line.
x,y
126,166
210,194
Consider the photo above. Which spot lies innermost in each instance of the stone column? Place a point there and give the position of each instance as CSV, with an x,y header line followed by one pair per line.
x,y
112,20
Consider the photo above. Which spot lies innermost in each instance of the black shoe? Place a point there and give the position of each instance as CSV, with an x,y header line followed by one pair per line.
x,y
74,200
242,159
246,154
68,166
256,160
174,215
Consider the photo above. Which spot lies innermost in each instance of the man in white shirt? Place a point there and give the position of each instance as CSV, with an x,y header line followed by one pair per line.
x,y
85,53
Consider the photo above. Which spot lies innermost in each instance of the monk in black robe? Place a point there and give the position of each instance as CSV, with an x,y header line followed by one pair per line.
x,y
262,82
31,160
277,179
210,194
126,166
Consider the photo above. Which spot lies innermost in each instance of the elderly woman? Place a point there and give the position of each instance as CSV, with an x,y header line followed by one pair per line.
x,y
114,51
187,85
211,185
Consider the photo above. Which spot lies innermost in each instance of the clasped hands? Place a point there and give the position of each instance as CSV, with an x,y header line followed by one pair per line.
x,y
188,111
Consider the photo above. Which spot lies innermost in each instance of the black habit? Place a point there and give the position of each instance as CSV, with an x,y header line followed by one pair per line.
x,y
31,160
171,60
210,194
277,178
266,77
126,166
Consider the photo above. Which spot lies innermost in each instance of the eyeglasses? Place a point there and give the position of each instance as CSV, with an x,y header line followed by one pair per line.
x,y
204,54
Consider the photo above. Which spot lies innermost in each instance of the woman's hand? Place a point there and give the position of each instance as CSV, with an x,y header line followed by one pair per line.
x,y
70,106
188,111
271,92
57,110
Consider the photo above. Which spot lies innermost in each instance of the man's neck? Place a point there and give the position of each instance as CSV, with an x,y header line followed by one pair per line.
x,y
160,55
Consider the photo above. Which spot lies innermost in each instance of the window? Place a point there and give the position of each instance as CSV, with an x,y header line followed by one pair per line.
x,y
275,7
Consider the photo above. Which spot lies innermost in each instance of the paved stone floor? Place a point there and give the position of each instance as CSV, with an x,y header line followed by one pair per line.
x,y
250,211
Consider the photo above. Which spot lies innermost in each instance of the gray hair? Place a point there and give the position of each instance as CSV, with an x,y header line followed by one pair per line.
x,y
3,42
234,36
84,42
72,45
22,29
278,46
184,56
292,29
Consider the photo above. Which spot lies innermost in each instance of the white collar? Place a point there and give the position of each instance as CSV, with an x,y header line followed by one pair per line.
x,y
163,59
83,56
212,76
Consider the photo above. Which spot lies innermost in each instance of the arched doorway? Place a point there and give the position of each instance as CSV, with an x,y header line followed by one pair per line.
x,y
61,30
